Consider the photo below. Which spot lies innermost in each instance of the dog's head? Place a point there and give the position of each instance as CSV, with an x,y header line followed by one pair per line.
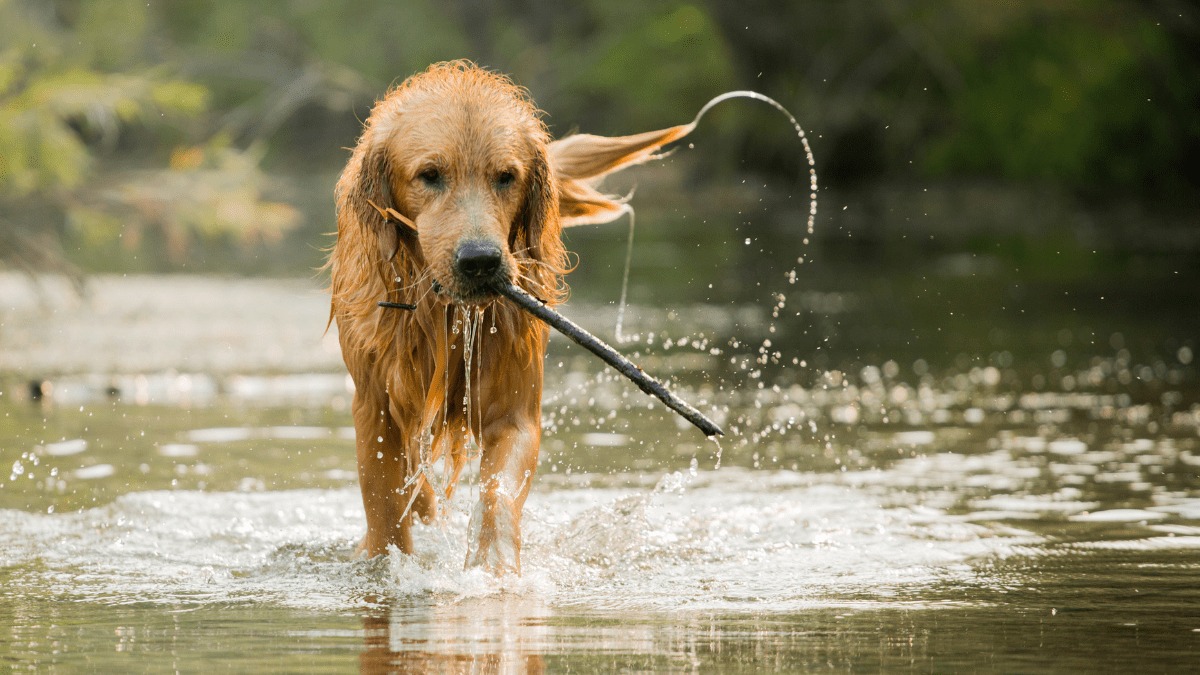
x,y
462,153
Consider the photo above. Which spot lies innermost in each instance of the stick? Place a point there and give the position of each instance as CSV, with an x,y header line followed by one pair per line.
x,y
595,345
392,215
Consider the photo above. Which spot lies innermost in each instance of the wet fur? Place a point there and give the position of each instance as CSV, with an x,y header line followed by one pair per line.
x,y
408,366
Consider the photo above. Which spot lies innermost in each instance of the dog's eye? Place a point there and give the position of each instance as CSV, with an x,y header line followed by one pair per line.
x,y
505,179
432,177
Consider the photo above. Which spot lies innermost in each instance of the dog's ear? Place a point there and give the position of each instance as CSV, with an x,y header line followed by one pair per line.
x,y
537,209
580,161
364,191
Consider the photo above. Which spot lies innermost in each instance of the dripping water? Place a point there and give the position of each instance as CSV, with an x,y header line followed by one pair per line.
x,y
625,279
472,319
716,440
472,343
445,430
477,351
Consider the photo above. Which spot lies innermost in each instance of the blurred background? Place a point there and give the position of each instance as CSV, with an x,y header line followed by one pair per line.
x,y
206,135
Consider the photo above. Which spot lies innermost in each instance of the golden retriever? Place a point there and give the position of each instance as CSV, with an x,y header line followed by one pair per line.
x,y
455,184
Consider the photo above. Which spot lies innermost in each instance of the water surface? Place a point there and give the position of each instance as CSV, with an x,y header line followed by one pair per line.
x,y
182,499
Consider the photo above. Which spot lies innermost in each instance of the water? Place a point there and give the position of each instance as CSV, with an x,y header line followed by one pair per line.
x,y
184,496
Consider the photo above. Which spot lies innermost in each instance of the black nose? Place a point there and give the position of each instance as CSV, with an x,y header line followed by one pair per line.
x,y
477,259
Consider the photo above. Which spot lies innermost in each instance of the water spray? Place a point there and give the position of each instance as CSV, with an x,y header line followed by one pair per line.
x,y
687,129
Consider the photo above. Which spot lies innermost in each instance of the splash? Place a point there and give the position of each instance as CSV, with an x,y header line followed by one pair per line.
x,y
677,481
812,196
812,164
685,544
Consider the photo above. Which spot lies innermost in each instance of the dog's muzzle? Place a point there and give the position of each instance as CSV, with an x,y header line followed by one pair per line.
x,y
478,262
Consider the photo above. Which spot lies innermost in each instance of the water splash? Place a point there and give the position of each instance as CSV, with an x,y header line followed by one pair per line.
x,y
812,164
812,182
677,481
684,544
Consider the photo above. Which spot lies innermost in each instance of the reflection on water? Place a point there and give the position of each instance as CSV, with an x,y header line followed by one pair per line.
x,y
1007,509
478,635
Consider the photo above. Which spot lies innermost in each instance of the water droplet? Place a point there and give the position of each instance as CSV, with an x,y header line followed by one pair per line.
x,y
379,455
747,241
493,331
380,439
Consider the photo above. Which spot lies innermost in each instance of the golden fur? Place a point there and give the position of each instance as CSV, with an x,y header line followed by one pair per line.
x,y
461,154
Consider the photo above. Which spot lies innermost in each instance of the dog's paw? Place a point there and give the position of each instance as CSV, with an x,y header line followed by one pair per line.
x,y
494,536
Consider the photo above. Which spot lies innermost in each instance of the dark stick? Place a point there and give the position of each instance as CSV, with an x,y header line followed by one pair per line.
x,y
396,305
595,345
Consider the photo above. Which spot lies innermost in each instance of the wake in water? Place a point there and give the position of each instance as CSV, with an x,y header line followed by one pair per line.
x,y
728,540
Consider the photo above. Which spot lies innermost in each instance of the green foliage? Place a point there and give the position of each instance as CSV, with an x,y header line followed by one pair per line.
x,y
62,115
207,191
124,123
1072,96
1098,96
381,41
45,123
645,65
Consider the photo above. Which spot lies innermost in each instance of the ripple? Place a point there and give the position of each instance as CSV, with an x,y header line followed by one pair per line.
x,y
1117,516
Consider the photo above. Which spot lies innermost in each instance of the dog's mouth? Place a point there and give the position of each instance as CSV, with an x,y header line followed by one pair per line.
x,y
477,268
479,292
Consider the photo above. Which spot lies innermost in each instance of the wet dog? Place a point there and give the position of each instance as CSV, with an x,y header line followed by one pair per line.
x,y
455,185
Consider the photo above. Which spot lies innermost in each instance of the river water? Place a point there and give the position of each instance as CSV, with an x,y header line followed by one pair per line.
x,y
1005,494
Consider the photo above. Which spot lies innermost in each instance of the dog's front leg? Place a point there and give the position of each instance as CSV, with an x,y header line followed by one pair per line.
x,y
511,436
506,469
382,467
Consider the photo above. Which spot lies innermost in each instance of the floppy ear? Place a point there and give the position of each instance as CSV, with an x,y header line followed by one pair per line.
x,y
364,193
580,161
537,210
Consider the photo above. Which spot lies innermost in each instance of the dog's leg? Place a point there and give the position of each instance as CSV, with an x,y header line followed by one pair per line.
x,y
382,466
506,470
511,437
